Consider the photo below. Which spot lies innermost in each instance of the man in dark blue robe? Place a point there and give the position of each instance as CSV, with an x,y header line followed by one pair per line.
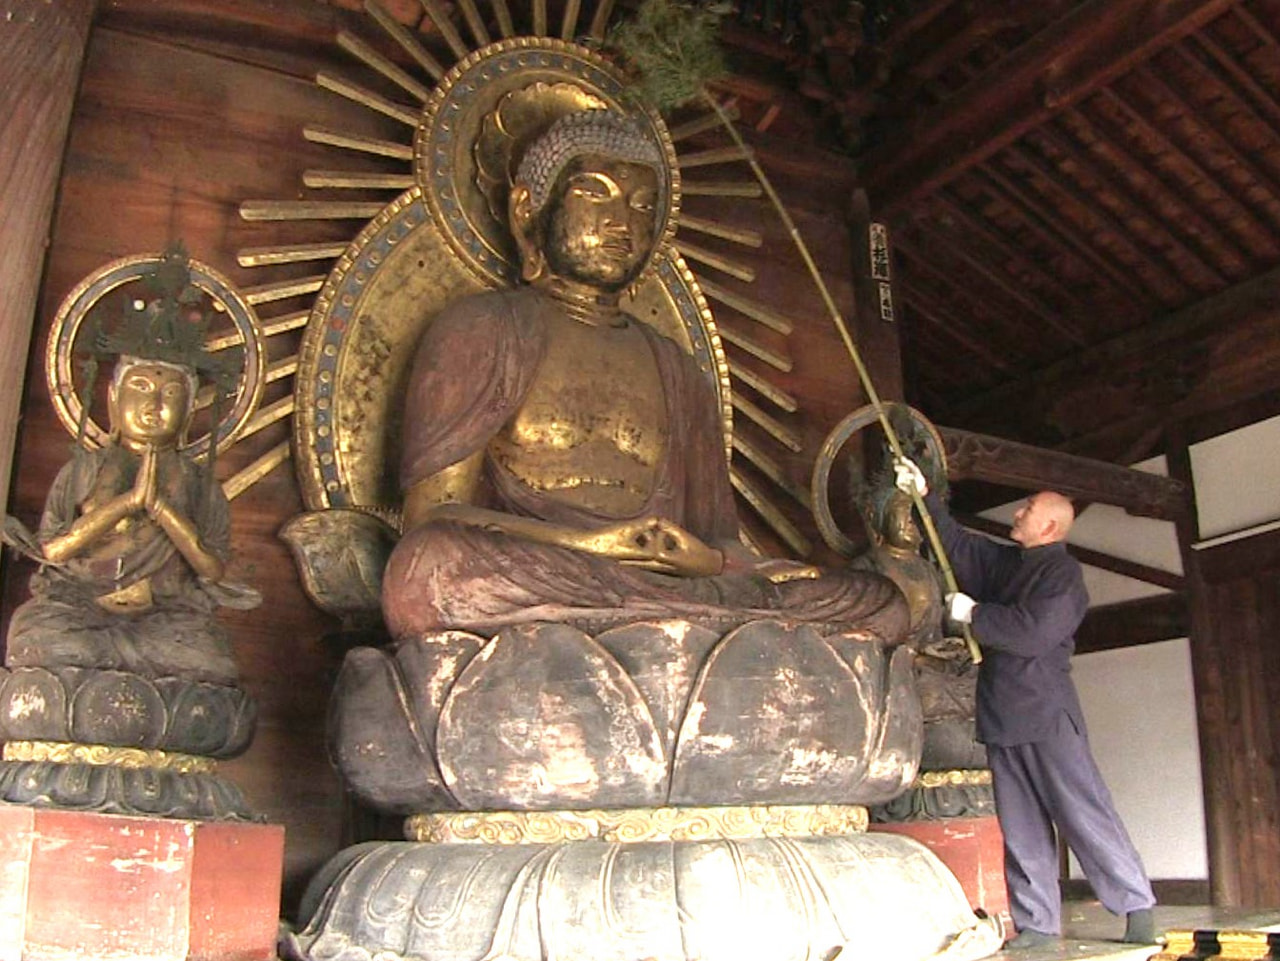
x,y
1024,604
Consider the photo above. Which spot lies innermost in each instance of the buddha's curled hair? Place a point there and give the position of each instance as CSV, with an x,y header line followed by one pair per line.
x,y
603,133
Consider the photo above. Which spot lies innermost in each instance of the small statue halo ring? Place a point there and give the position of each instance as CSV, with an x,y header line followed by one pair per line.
x,y
819,488
228,301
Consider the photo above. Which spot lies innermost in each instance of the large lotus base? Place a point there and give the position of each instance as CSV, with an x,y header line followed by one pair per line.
x,y
757,899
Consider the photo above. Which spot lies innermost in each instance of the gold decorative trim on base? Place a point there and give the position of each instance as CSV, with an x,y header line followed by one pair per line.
x,y
932,779
65,752
637,824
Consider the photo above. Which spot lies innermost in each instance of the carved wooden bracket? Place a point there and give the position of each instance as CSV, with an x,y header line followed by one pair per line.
x,y
973,456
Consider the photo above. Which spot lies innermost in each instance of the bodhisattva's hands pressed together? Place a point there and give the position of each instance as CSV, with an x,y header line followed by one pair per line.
x,y
146,495
96,523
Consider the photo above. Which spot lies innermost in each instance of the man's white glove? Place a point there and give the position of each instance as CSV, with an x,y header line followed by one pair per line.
x,y
960,607
909,478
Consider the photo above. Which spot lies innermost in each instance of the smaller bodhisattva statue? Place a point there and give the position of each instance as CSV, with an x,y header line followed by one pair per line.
x,y
132,547
946,678
563,461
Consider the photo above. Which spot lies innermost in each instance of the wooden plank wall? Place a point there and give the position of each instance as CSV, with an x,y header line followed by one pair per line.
x,y
41,50
176,123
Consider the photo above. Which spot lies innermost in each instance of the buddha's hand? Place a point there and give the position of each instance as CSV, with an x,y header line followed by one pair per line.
x,y
780,570
739,560
654,544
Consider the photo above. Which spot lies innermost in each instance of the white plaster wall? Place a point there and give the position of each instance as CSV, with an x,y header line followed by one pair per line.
x,y
1140,712
1236,478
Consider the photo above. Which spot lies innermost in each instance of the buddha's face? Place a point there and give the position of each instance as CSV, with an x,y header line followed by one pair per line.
x,y
150,404
602,221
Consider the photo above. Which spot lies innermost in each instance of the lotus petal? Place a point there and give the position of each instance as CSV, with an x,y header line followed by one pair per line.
x,y
545,718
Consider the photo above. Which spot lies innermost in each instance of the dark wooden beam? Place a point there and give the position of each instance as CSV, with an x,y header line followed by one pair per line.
x,y
1091,46
972,456
1210,668
1147,620
1085,555
1210,355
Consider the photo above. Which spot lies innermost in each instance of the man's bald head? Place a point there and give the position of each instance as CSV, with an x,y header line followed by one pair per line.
x,y
1044,518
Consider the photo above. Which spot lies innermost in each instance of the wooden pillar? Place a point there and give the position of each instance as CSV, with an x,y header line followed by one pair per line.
x,y
875,322
1208,661
42,47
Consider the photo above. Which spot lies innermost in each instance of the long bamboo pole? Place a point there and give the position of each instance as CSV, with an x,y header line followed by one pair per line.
x,y
948,575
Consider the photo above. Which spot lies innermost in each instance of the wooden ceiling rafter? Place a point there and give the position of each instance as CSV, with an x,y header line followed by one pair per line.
x,y
1009,287
1085,50
1012,285
1144,194
920,17
1199,173
1259,98
1256,27
973,225
1111,232
941,321
984,315
1255,171
1055,232
927,343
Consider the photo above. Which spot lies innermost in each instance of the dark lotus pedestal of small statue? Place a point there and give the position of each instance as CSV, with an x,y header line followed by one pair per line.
x,y
620,735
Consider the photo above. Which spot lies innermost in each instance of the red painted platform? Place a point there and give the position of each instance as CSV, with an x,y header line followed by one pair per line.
x,y
973,848
82,885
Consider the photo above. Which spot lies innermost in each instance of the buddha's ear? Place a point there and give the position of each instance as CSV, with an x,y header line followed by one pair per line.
x,y
521,221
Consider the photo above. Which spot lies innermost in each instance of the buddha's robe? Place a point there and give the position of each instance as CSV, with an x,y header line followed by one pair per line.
x,y
472,371
64,624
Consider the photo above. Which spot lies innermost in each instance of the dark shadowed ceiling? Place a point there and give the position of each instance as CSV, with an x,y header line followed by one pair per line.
x,y
1085,199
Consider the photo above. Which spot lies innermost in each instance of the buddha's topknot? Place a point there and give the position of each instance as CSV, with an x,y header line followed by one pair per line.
x,y
600,132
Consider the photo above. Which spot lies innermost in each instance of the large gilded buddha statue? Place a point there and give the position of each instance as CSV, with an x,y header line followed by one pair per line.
x,y
562,460
615,730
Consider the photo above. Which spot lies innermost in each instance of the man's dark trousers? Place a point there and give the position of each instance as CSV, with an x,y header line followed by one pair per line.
x,y
1055,781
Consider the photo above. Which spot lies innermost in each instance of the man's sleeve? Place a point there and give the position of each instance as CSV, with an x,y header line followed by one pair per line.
x,y
978,562
1050,614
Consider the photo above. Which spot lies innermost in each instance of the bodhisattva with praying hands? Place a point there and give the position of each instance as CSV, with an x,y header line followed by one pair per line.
x,y
135,536
562,460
